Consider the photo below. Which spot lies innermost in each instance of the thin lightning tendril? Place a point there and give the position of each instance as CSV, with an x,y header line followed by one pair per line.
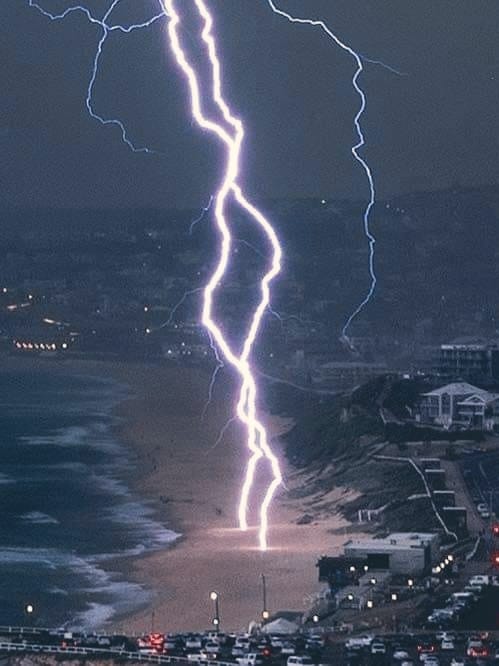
x,y
106,31
355,148
232,140
200,216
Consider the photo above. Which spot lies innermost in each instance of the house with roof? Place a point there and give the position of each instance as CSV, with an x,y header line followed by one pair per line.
x,y
460,405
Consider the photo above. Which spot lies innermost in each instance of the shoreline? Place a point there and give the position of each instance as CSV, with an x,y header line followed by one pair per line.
x,y
195,488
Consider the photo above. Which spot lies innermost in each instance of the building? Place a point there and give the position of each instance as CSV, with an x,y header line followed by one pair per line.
x,y
345,375
460,405
403,553
469,362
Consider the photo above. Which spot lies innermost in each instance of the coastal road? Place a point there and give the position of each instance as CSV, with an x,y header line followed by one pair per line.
x,y
481,472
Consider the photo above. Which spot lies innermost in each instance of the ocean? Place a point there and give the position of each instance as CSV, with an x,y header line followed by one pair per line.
x,y
67,513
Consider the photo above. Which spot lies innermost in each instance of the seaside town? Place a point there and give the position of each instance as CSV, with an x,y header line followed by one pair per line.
x,y
249,333
407,429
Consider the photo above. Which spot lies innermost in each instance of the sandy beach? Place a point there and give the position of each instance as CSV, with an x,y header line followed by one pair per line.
x,y
196,486
199,485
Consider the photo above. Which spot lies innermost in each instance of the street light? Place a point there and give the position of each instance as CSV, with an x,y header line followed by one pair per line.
x,y
394,596
370,603
410,583
265,611
373,581
29,610
315,619
216,619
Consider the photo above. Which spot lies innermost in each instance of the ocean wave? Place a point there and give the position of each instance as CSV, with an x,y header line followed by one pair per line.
x,y
92,436
105,593
4,479
39,518
140,517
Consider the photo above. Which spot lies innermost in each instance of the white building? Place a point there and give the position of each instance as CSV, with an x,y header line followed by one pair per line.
x,y
404,553
460,404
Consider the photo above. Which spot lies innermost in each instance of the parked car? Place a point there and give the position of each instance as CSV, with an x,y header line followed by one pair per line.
x,y
377,647
295,660
251,659
400,655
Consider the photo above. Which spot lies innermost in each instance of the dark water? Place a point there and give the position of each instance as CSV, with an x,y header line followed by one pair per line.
x,y
65,508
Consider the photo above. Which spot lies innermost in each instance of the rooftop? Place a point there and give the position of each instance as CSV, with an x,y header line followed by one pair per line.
x,y
458,388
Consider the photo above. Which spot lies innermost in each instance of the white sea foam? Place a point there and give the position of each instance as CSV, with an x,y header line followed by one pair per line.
x,y
140,515
39,518
92,436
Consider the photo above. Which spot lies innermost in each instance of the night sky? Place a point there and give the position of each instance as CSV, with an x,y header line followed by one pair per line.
x,y
434,126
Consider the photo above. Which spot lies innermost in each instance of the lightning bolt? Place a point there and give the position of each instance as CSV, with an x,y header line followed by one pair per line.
x,y
106,31
231,133
358,58
200,216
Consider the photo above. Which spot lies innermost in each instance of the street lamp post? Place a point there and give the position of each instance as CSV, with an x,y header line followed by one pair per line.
x,y
216,618
265,611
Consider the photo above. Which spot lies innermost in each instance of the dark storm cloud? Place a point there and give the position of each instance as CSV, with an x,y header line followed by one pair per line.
x,y
436,125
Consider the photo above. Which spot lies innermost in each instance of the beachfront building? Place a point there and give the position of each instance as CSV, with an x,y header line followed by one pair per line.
x,y
462,405
400,553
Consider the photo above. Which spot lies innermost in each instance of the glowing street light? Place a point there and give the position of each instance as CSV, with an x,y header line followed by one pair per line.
x,y
370,603
29,611
410,583
315,619
394,596
216,619
265,611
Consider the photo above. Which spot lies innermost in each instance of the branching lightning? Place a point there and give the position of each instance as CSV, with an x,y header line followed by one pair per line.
x,y
355,148
232,137
107,29
200,216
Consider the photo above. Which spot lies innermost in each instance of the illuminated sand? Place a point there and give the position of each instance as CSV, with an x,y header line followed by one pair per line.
x,y
200,489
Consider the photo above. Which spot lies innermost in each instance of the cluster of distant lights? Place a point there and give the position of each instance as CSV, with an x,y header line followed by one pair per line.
x,y
39,346
443,564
